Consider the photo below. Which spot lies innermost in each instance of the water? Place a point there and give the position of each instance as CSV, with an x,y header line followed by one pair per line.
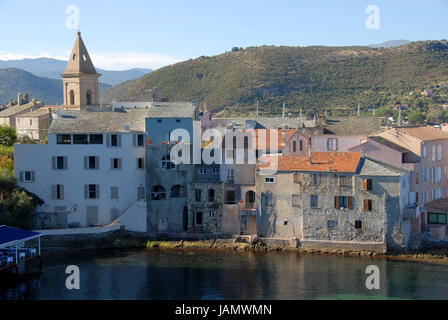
x,y
209,274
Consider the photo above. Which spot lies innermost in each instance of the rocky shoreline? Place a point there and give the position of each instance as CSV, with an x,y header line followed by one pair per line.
x,y
433,256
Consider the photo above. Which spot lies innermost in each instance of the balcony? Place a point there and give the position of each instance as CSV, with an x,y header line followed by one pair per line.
x,y
412,212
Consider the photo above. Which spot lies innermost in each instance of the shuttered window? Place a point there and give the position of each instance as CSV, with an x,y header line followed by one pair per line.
x,y
368,205
367,185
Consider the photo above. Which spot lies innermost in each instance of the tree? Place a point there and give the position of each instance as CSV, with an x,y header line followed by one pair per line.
x,y
416,118
8,135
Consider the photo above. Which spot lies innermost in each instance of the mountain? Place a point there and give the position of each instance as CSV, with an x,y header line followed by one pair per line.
x,y
313,78
52,68
13,81
390,44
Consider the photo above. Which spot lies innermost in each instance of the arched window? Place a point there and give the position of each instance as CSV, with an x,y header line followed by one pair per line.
x,y
178,191
158,193
166,163
72,97
89,97
250,199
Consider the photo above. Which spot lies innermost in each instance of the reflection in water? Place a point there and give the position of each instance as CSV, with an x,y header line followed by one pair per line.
x,y
207,274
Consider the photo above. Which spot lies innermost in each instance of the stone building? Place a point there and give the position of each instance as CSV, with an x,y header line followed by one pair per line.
x,y
80,79
9,116
34,124
335,200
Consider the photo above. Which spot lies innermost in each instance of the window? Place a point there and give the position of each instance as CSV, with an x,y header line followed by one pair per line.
x,y
88,95
343,202
91,163
141,163
331,224
268,200
211,214
215,170
115,164
417,178
59,163
424,152
114,193
92,191
230,174
80,139
197,195
202,171
64,139
72,97
437,218
367,185
368,205
198,218
332,144
159,120
315,179
28,176
439,153
296,178
301,145
115,140
211,195
166,163
269,180
140,140
314,201
294,146
358,224
141,194
57,192
433,153
158,193
31,122
96,139
343,181
295,200
178,191
178,121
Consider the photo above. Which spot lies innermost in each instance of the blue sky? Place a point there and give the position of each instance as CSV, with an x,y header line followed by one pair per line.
x,y
134,33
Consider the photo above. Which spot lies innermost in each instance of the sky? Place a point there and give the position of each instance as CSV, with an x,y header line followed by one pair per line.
x,y
150,34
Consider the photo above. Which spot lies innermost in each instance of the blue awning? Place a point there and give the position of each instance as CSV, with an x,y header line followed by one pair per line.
x,y
10,235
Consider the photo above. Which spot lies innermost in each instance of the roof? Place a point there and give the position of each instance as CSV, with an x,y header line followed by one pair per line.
x,y
36,113
389,144
373,167
320,162
99,122
172,110
79,61
10,235
424,133
11,111
437,206
264,142
352,126
264,123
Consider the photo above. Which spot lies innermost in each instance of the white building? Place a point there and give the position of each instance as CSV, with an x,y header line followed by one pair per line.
x,y
93,168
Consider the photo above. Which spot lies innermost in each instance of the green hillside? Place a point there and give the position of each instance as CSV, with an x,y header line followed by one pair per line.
x,y
314,78
13,81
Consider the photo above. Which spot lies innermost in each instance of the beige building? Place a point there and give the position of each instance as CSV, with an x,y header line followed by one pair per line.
x,y
80,79
34,124
9,116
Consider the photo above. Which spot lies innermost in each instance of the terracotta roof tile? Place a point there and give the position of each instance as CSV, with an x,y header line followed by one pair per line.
x,y
320,161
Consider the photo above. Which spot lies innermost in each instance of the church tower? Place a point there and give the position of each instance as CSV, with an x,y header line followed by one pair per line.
x,y
80,79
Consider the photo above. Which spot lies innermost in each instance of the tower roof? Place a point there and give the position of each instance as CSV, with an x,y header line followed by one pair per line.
x,y
79,61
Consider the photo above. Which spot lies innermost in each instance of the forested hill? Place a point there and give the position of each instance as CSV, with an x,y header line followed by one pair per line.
x,y
312,78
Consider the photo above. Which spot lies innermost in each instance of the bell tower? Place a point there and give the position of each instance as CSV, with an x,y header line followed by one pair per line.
x,y
80,79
